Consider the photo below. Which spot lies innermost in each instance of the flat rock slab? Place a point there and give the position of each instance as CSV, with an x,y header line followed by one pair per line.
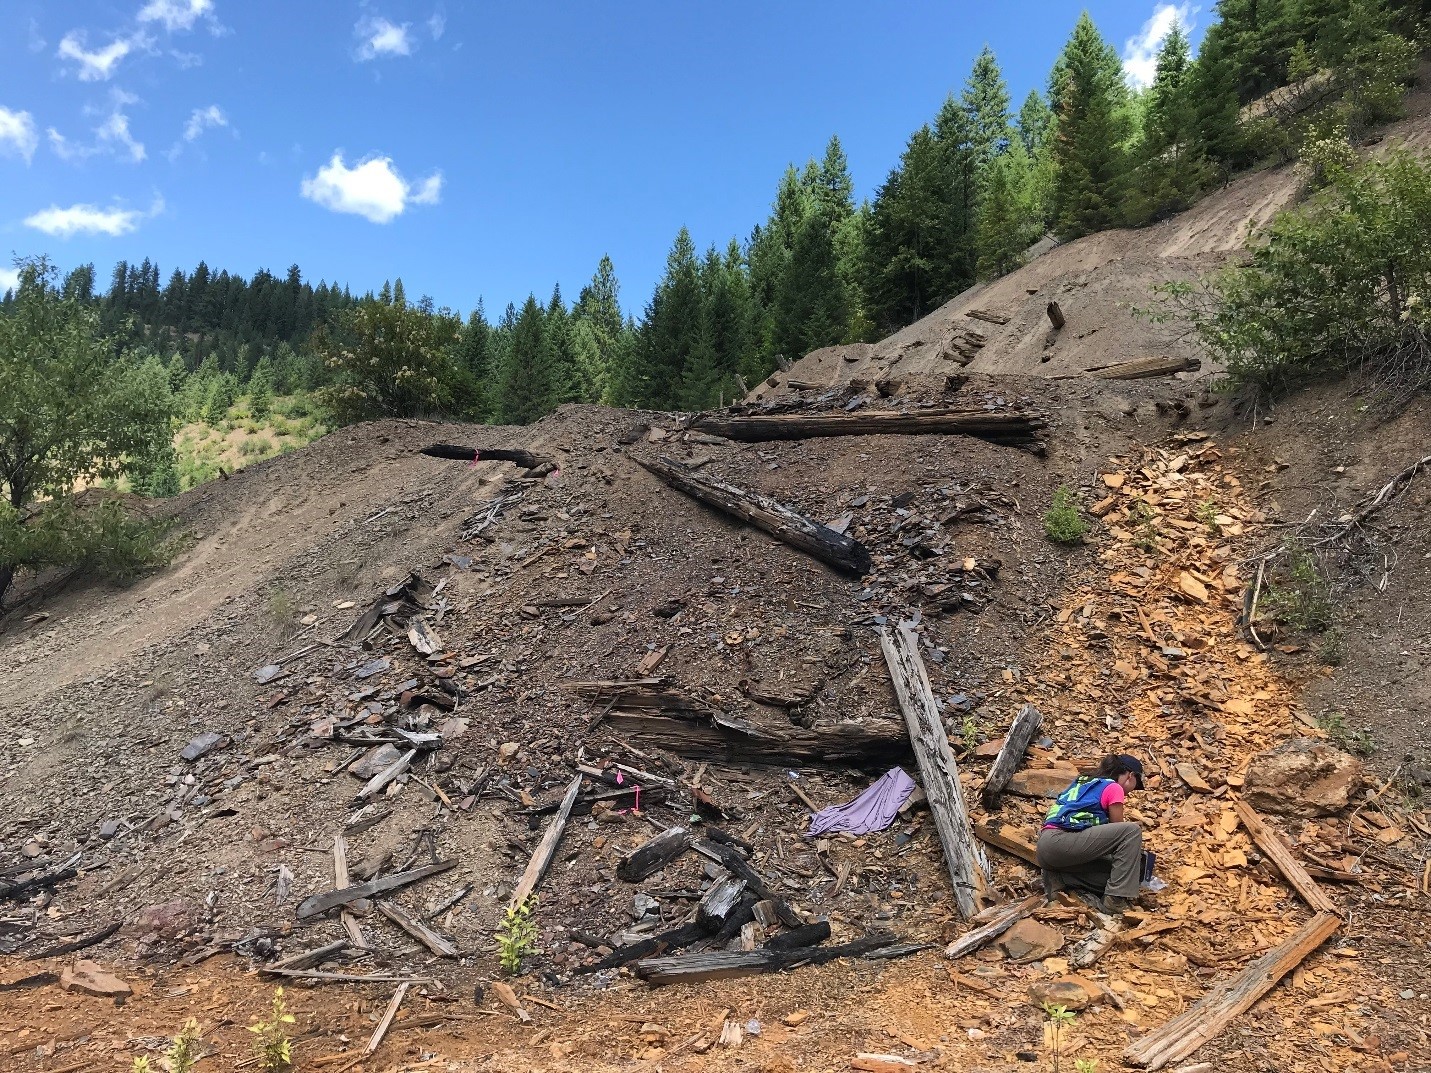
x,y
1042,782
1070,992
1028,940
90,978
203,745
375,761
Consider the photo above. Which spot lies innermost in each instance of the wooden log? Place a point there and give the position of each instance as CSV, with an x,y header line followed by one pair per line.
x,y
719,902
309,959
1016,743
1144,368
1055,316
816,540
1291,869
315,904
730,858
1206,1019
653,854
655,946
730,740
436,942
725,965
1016,427
1002,836
546,848
797,938
341,880
1002,920
968,867
94,938
525,459
642,694
987,316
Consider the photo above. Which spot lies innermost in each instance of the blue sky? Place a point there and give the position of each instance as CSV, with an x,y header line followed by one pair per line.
x,y
471,149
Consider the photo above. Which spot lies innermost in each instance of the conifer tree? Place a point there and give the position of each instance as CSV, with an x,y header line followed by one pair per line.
x,y
260,388
475,355
522,393
669,334
1090,101
986,103
1008,221
1170,172
599,333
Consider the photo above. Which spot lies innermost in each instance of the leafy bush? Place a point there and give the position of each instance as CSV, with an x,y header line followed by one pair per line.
x,y
1062,523
1300,597
517,935
272,1047
1341,284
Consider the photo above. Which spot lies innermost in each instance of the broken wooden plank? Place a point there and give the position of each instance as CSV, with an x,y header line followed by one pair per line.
x,y
1206,1019
1016,743
1002,920
308,959
965,859
387,1020
341,880
1055,315
378,782
1143,368
546,848
315,904
517,456
654,946
642,694
728,964
786,525
1020,428
94,938
438,943
1291,869
1002,836
654,854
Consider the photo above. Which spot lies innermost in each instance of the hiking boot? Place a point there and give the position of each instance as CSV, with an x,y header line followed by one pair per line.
x,y
1116,906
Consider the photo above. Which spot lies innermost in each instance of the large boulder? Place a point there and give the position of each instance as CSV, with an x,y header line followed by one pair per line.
x,y
1303,777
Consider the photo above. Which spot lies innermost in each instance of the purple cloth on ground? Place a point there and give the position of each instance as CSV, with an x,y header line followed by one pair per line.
x,y
873,810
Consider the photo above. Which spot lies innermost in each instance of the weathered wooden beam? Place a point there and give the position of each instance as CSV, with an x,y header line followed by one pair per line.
x,y
1206,1019
642,694
1055,315
546,848
987,316
525,459
796,938
653,854
1002,920
438,943
315,904
719,737
1144,368
734,863
1002,836
789,527
1016,743
719,902
1015,427
376,784
1291,869
968,867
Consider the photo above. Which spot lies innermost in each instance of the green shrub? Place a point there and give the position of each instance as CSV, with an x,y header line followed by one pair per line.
x,y
517,936
1062,522
1299,596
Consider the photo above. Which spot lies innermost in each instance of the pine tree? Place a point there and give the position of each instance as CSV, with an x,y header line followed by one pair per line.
x,y
1035,125
599,336
1170,171
811,308
1008,222
1091,103
986,103
475,355
522,393
905,246
670,333
560,380
260,388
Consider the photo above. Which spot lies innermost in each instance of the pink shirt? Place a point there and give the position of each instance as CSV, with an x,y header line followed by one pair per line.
x,y
1112,795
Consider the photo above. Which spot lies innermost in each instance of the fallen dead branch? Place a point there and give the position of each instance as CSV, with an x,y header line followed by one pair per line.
x,y
546,849
1016,743
727,964
315,904
1268,842
1012,427
525,459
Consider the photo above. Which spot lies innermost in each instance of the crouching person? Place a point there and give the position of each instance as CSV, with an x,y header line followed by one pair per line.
x,y
1086,846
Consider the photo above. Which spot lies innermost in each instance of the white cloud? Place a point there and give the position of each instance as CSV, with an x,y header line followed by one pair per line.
x,y
9,279
437,24
379,37
176,15
372,189
17,134
1140,53
89,220
98,65
111,136
202,119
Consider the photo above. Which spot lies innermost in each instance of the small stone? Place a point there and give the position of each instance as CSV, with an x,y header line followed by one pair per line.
x,y
1408,994
202,746
1070,992
108,829
796,1018
508,749
375,761
89,978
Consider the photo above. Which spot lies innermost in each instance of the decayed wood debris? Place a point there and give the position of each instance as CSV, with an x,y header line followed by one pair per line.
x,y
1143,368
1016,743
546,849
523,458
721,737
315,904
727,964
1021,428
968,867
788,526
1002,921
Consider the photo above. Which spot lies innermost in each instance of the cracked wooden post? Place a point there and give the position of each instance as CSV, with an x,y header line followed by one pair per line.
x,y
968,866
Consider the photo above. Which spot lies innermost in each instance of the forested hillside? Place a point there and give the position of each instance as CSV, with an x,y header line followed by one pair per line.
x,y
974,188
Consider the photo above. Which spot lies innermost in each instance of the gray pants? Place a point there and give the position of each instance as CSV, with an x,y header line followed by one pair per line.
x,y
1109,856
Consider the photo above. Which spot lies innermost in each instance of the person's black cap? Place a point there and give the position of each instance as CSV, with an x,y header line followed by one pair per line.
x,y
1133,764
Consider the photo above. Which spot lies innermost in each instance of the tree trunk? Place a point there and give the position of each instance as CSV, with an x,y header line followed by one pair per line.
x,y
1016,743
525,459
